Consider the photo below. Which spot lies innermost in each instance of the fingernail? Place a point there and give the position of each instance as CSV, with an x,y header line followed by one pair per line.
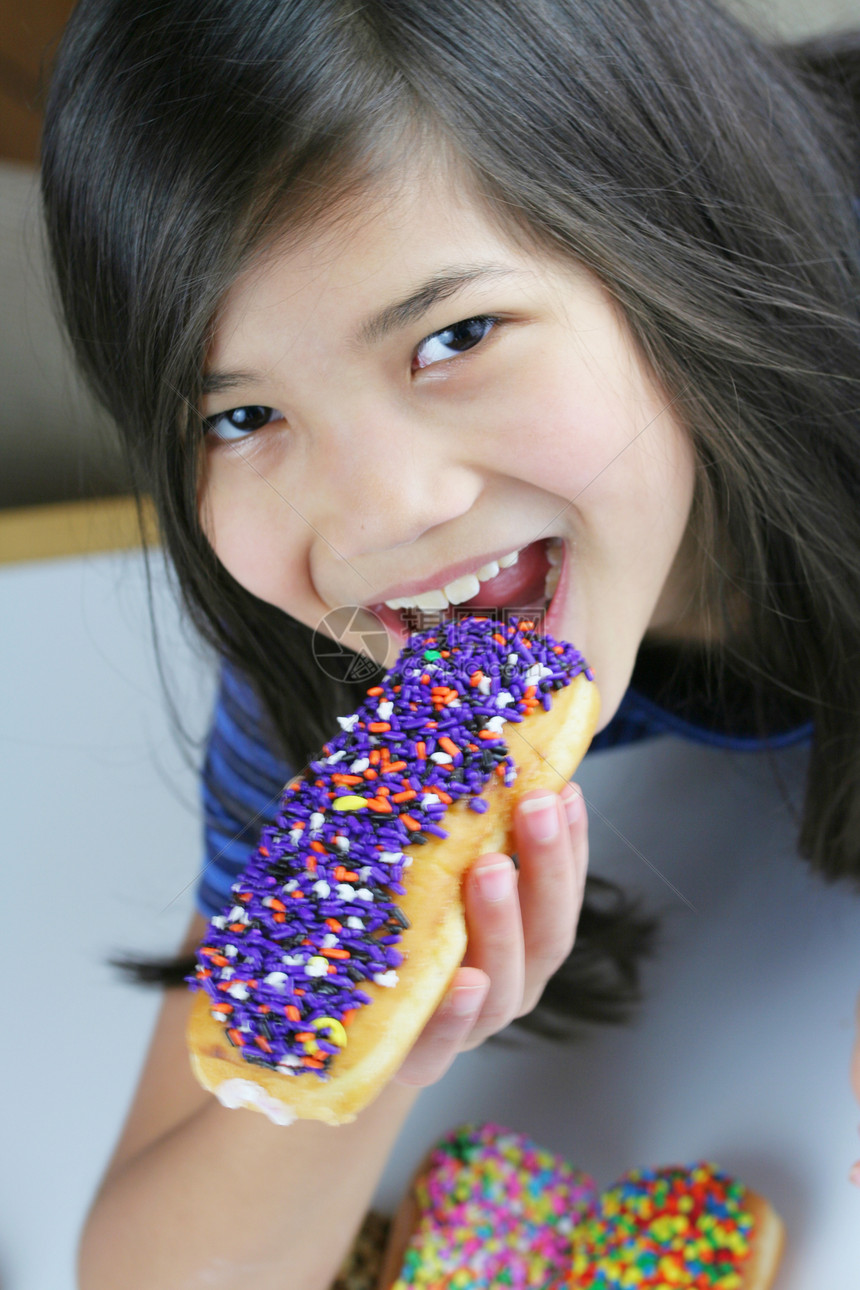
x,y
854,1175
571,795
496,881
466,1000
541,818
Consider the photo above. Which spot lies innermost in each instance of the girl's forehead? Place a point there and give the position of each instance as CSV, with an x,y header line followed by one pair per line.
x,y
395,233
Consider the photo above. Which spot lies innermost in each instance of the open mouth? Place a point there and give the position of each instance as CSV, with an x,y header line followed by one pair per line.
x,y
530,588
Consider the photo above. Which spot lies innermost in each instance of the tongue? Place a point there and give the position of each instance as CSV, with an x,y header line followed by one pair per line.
x,y
522,585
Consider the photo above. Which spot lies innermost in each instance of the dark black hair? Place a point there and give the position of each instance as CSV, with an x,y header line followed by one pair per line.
x,y
706,176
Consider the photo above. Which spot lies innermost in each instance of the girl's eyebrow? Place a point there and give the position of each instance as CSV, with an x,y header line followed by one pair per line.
x,y
443,284
447,282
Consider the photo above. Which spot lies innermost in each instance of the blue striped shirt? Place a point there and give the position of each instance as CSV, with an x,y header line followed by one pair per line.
x,y
242,778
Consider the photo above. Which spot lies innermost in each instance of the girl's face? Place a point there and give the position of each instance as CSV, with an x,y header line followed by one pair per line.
x,y
407,395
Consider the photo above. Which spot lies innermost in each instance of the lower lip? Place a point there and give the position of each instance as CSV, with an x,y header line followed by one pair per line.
x,y
554,614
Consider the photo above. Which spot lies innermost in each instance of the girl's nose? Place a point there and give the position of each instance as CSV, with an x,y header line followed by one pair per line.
x,y
384,483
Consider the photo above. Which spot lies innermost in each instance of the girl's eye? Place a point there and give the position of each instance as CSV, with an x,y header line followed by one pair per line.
x,y
239,423
453,340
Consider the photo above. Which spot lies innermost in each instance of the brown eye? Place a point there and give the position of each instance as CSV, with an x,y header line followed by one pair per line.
x,y
238,423
453,340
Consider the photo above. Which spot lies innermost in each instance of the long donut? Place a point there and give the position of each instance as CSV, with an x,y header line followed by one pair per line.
x,y
347,925
489,1207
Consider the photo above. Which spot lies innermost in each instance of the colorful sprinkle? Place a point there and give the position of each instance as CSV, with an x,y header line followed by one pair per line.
x,y
310,932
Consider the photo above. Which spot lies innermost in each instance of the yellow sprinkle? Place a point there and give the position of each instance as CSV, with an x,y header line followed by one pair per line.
x,y
336,1032
348,803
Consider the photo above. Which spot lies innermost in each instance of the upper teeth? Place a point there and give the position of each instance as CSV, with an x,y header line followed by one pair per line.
x,y
461,589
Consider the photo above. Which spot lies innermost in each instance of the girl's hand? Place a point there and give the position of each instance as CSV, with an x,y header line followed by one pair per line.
x,y
521,925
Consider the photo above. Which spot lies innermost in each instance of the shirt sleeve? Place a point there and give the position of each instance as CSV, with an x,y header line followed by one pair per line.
x,y
241,785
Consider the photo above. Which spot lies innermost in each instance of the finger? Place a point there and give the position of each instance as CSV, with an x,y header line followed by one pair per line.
x,y
446,1031
553,857
495,941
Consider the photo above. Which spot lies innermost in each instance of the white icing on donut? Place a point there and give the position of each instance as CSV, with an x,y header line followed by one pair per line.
x,y
234,1093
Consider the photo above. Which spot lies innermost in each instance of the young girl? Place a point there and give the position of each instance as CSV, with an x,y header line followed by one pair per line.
x,y
379,294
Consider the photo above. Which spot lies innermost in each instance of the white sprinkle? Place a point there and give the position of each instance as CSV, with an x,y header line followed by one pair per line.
x,y
226,973
290,885
277,979
430,799
385,710
345,891
316,821
218,1016
364,894
289,1059
335,757
347,723
238,990
503,698
386,978
292,960
513,659
390,857
328,941
322,888
219,921
361,765
356,923
364,872
316,966
238,915
496,724
231,951
342,844
484,685
441,758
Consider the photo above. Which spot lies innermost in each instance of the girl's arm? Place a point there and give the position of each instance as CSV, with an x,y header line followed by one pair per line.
x,y
200,1196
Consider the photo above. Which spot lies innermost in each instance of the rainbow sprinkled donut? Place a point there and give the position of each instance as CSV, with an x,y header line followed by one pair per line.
x,y
489,1208
352,897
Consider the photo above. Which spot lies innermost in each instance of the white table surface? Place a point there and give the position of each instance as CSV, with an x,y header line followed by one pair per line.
x,y
740,1053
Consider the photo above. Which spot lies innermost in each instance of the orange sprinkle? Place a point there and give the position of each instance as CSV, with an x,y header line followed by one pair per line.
x,y
317,846
449,746
237,1037
411,823
226,1008
488,734
331,969
334,924
264,851
204,972
219,960
370,773
425,678
342,874
297,895
264,1007
374,756
421,750
500,770
279,918
297,989
312,1061
406,796
476,678
376,727
375,689
343,778
311,864
444,797
499,639
236,927
379,804
304,1035
244,895
274,903
292,1012
348,1016
263,1043
395,765
384,790
335,954
530,692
